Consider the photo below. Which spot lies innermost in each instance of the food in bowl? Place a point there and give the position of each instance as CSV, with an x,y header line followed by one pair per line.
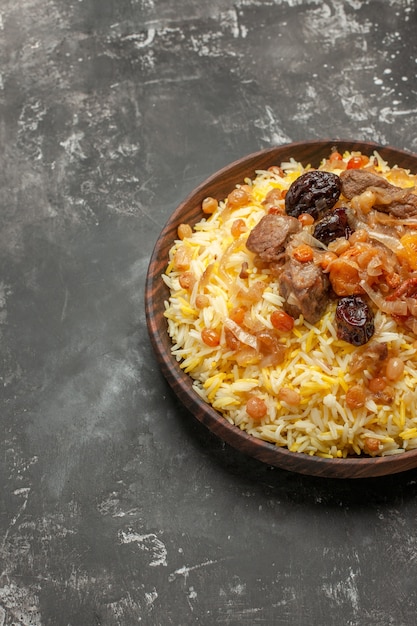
x,y
293,305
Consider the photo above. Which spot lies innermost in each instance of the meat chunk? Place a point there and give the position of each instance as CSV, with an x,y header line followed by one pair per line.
x,y
268,238
396,201
356,181
401,203
305,288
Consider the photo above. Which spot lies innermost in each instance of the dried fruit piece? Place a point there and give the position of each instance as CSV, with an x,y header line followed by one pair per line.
x,y
187,280
202,301
394,368
209,205
184,230
377,384
357,161
335,157
408,252
306,219
256,408
372,444
314,192
238,228
182,258
238,197
356,397
289,396
332,226
354,320
303,253
211,337
282,321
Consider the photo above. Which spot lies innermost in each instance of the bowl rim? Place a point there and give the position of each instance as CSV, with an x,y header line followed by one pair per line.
x,y
181,383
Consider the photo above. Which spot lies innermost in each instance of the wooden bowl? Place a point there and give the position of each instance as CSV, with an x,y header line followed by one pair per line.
x,y
219,186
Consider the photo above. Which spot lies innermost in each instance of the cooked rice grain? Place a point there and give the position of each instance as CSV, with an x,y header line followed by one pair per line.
x,y
316,362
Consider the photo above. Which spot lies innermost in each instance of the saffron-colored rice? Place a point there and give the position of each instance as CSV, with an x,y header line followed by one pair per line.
x,y
316,363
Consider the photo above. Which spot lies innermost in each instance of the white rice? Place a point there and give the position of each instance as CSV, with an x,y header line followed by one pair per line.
x,y
316,362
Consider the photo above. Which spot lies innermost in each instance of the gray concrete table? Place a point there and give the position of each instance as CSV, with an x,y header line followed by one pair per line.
x,y
117,507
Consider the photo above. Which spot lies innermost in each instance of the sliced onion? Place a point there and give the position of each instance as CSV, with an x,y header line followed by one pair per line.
x,y
292,300
387,196
242,335
272,359
412,306
247,356
390,242
355,223
251,295
225,258
204,280
305,237
395,307
384,218
374,267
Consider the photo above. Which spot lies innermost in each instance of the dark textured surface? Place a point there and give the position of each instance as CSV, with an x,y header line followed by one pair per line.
x,y
117,507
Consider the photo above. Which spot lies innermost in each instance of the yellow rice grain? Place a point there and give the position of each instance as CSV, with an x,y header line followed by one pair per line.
x,y
316,362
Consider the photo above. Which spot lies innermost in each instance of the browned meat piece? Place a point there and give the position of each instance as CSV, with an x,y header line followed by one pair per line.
x,y
305,289
398,202
267,239
401,203
356,181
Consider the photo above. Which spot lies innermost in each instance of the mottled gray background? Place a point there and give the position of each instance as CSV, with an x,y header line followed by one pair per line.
x,y
116,507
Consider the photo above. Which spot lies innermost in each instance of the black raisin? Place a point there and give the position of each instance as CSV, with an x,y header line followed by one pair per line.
x,y
333,225
314,192
354,320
